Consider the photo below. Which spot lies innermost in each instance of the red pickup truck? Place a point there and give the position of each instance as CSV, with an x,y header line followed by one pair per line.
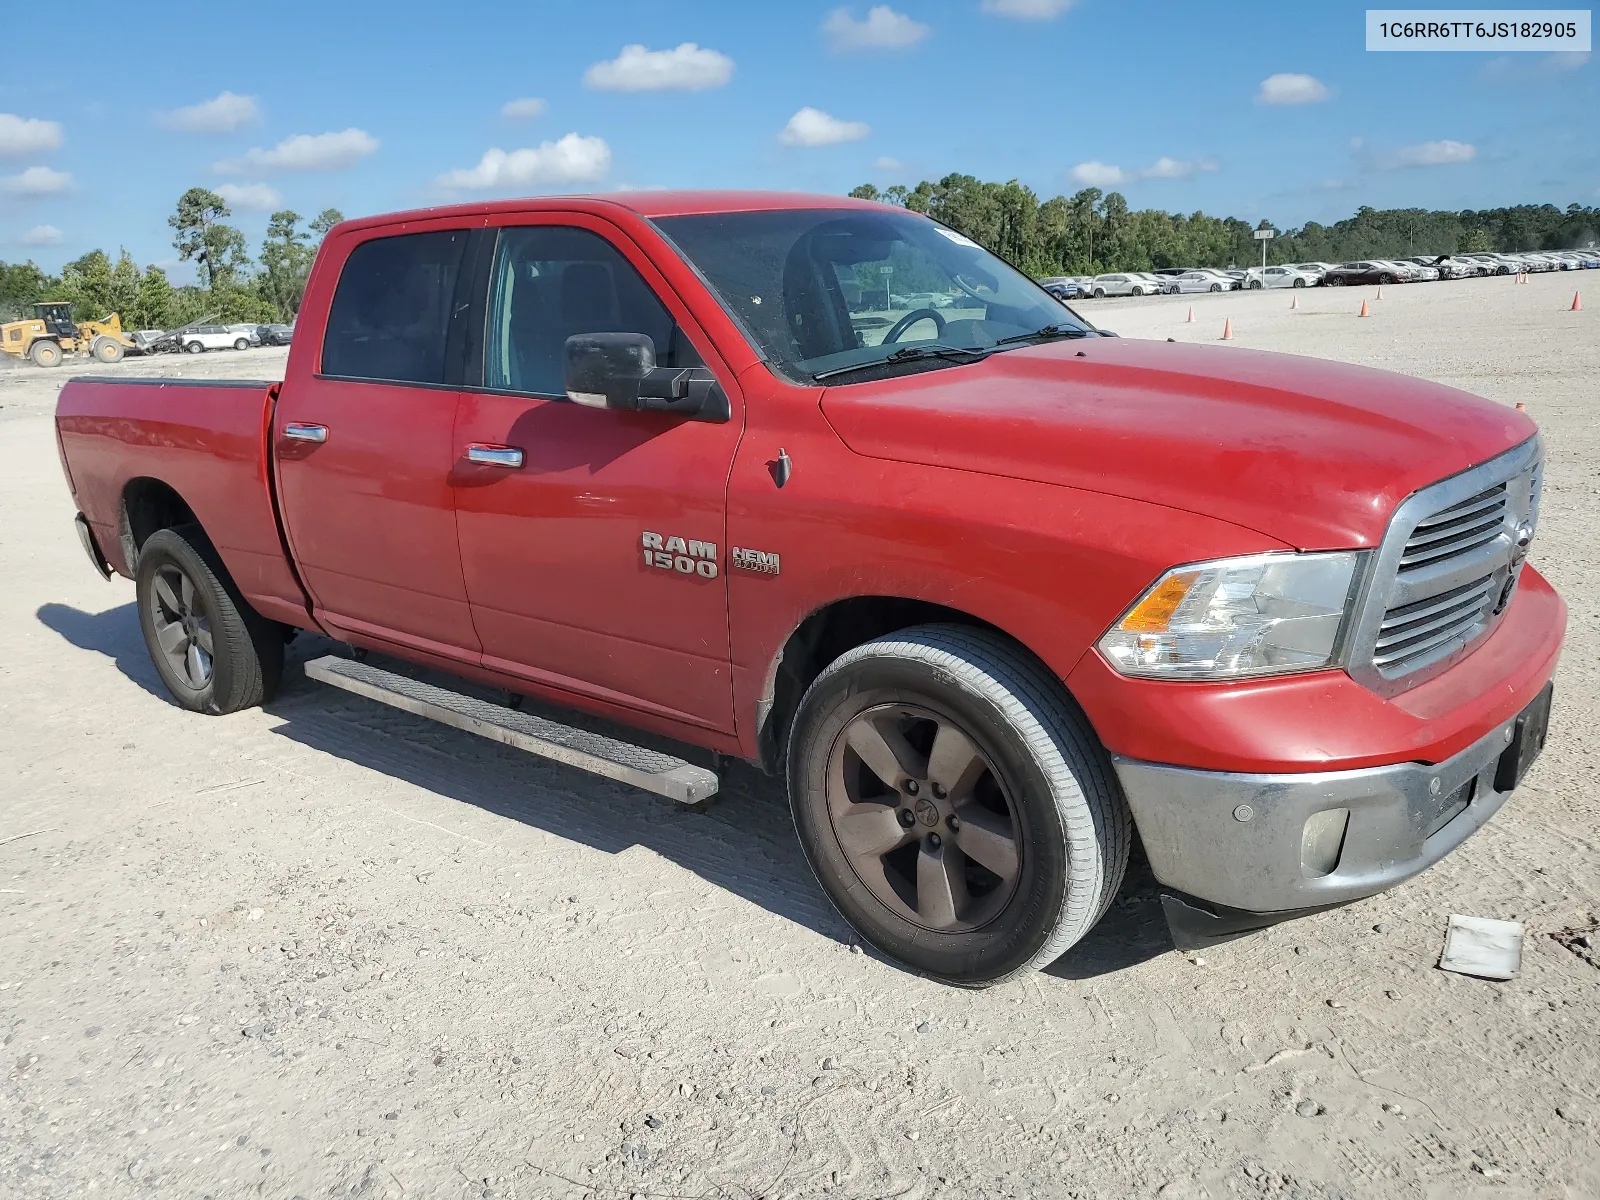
x,y
824,485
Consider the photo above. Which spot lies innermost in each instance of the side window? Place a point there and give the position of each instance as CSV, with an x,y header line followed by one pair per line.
x,y
554,281
391,312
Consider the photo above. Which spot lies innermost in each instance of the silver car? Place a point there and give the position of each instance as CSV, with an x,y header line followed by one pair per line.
x,y
1206,281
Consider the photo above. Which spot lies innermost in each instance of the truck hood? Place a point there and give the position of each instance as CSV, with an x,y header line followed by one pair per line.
x,y
1315,454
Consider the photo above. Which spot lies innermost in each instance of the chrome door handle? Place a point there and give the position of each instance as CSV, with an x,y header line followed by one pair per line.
x,y
495,456
305,433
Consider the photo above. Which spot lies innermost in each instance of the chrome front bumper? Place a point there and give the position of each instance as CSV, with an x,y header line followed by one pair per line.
x,y
1284,843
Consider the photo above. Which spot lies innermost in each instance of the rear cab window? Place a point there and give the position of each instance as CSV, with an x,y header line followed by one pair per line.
x,y
391,312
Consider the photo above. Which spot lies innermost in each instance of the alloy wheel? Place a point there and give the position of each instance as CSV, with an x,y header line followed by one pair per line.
x,y
923,818
183,631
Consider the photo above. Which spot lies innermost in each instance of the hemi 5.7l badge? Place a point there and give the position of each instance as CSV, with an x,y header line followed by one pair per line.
x,y
685,557
758,561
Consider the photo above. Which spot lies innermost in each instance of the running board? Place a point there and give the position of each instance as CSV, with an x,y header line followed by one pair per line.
x,y
624,762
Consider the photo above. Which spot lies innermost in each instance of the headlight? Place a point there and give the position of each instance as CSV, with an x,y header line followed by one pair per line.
x,y
1268,614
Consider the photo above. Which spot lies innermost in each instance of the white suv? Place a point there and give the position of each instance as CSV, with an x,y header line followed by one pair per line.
x,y
213,337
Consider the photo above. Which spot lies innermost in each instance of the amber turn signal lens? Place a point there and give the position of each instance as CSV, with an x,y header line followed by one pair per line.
x,y
1152,613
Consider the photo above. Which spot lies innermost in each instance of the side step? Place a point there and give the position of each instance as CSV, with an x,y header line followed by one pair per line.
x,y
651,770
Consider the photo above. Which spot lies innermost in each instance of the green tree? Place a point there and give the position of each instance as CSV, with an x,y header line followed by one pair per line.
x,y
155,305
286,257
324,221
199,234
22,285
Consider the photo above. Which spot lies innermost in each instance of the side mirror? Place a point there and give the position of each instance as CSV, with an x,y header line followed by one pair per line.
x,y
618,370
1106,333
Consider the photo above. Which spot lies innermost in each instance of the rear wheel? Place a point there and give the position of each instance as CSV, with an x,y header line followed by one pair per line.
x,y
213,651
1333,281
45,354
193,348
106,350
955,805
1099,293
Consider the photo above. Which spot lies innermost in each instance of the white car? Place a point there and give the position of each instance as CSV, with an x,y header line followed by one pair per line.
x,y
1155,285
1282,277
1206,281
1126,283
212,337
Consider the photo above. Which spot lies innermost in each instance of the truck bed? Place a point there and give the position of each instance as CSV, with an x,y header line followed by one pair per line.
x,y
204,441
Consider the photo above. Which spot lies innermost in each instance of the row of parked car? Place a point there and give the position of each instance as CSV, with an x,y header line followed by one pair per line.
x,y
197,339
1173,281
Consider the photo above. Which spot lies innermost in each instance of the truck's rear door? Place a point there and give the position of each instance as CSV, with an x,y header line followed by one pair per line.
x,y
594,548
364,441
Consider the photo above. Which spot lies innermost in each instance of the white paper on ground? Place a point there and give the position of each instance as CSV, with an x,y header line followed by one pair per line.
x,y
1482,947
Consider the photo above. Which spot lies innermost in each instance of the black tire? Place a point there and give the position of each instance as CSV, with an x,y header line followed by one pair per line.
x,y
242,344
1383,279
1215,287
246,650
45,354
1255,284
193,348
1099,293
1059,801
1299,282
1333,281
1137,290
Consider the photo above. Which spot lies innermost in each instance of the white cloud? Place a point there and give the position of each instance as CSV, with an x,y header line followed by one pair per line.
x,y
887,164
1028,10
223,113
884,29
813,127
36,181
688,68
1098,174
1103,175
1285,88
251,197
528,108
1433,154
42,235
571,159
26,135
305,152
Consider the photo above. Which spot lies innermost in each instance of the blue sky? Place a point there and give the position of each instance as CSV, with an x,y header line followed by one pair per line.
x,y
370,107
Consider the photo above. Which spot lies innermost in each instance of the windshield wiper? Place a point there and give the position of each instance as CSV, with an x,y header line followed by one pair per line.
x,y
1049,331
906,354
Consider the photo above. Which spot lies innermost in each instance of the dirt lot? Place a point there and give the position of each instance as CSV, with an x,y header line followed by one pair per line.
x,y
330,949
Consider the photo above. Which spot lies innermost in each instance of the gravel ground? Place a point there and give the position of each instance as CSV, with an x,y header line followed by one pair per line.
x,y
331,949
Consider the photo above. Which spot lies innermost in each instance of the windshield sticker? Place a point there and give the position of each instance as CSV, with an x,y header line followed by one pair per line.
x,y
955,237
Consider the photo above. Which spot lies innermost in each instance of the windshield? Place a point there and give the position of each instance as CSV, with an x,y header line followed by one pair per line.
x,y
829,290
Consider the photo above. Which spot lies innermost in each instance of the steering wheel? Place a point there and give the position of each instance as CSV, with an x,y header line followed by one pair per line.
x,y
910,319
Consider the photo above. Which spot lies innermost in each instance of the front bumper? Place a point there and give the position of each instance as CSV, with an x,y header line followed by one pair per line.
x,y
1284,843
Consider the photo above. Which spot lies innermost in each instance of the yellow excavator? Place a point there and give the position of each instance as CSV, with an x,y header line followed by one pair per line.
x,y
51,334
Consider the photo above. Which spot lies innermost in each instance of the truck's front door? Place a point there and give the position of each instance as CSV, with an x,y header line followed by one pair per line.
x,y
363,441
570,512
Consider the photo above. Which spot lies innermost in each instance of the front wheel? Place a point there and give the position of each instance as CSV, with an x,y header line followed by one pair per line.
x,y
242,344
1215,287
213,651
1138,291
106,350
1382,279
1299,283
956,806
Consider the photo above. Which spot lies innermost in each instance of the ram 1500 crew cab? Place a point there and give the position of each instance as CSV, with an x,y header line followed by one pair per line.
x,y
992,588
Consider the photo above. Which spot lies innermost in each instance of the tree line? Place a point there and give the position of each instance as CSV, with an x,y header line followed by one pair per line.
x,y
230,283
1092,232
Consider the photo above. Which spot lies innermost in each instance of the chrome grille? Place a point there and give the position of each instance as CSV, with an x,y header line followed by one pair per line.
x,y
1446,571
1456,530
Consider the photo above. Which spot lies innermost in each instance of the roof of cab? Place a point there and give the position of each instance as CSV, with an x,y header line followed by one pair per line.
x,y
644,204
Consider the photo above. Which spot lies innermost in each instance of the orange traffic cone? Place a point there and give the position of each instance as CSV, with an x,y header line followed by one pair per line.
x,y
1294,301
1189,320
1363,312
1577,303
1380,293
1227,330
